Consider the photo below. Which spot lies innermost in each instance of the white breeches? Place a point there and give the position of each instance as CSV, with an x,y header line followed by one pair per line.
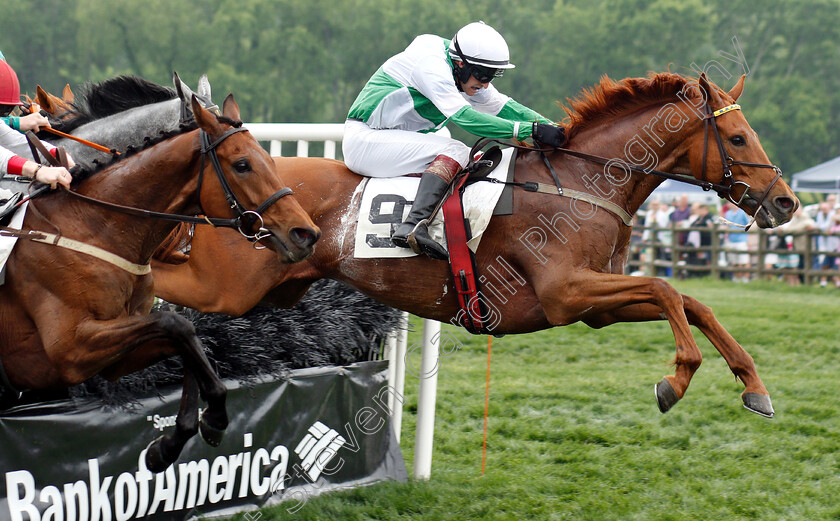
x,y
392,153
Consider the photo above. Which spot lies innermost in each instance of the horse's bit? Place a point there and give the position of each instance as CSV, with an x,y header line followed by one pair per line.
x,y
244,217
727,162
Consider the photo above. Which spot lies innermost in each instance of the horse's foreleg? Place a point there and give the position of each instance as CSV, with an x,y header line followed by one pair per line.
x,y
755,395
103,344
163,451
591,294
201,287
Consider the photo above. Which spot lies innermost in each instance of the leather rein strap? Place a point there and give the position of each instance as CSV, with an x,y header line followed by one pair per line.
x,y
207,149
724,190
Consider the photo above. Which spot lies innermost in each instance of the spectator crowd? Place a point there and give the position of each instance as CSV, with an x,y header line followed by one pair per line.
x,y
690,227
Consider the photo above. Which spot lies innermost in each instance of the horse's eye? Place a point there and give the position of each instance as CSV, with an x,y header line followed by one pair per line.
x,y
738,141
242,166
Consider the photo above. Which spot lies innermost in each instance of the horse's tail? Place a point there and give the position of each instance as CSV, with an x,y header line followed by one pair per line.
x,y
172,249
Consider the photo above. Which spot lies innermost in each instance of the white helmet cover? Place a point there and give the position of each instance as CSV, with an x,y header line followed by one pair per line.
x,y
480,44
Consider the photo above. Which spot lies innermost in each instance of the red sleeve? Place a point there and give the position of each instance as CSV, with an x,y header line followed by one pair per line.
x,y
15,166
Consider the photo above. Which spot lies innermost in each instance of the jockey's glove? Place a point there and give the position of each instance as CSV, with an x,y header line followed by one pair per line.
x,y
550,135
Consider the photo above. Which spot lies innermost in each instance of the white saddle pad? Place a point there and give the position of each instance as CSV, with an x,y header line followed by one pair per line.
x,y
387,202
7,243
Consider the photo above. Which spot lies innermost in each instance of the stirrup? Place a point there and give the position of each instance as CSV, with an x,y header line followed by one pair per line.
x,y
430,248
412,239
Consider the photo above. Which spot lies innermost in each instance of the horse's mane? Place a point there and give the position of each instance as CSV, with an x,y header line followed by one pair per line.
x,y
610,98
82,172
97,100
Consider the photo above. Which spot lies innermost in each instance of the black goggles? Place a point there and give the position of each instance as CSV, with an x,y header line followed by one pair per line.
x,y
5,110
485,74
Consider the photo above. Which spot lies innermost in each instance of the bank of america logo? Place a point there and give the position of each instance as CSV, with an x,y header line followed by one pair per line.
x,y
318,448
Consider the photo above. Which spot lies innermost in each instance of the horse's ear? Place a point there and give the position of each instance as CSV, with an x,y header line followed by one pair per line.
x,y
67,94
204,87
205,119
230,108
704,84
708,88
179,87
738,88
43,99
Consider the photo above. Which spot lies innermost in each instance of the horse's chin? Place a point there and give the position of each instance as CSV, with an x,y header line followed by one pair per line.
x,y
765,218
287,254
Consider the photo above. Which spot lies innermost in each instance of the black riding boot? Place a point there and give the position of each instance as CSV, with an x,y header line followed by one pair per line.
x,y
431,191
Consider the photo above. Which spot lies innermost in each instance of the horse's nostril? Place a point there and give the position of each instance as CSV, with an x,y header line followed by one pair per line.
x,y
304,237
784,203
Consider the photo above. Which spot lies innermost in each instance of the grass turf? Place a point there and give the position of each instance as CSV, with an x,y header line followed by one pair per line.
x,y
575,433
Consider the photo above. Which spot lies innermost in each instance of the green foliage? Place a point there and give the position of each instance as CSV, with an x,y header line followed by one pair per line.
x,y
296,61
574,431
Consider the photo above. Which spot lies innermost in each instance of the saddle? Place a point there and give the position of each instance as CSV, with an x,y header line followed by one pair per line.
x,y
12,187
8,204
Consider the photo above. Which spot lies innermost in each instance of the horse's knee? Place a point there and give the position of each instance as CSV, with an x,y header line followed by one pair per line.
x,y
665,293
175,325
697,312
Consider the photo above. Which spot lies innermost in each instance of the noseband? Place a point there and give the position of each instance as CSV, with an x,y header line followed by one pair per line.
x,y
244,218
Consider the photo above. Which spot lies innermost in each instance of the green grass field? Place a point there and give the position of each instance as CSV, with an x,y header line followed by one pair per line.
x,y
575,433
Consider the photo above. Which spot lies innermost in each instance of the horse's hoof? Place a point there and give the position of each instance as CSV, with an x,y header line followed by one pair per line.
x,y
759,404
211,435
155,461
666,396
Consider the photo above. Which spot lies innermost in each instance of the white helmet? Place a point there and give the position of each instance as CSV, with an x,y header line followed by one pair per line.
x,y
479,44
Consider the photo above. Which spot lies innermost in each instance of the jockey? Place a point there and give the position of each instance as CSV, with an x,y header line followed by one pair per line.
x,y
433,81
14,147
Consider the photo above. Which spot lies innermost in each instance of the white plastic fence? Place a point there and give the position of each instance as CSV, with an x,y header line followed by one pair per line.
x,y
302,133
331,134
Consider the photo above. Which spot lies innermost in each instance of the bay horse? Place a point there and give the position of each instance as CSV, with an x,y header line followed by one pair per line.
x,y
81,308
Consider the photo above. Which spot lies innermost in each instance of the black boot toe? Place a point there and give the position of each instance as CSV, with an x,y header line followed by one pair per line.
x,y
429,246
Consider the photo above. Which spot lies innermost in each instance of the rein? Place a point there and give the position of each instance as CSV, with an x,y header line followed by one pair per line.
x,y
724,190
208,148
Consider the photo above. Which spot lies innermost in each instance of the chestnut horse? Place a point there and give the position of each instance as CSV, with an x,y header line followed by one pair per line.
x,y
554,261
81,308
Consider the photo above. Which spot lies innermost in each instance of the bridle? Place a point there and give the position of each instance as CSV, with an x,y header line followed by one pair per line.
x,y
726,189
244,220
243,216
709,119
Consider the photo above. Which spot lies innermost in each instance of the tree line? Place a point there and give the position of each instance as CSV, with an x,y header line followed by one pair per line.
x,y
306,60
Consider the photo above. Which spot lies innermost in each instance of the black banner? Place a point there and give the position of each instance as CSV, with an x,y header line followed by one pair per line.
x,y
321,429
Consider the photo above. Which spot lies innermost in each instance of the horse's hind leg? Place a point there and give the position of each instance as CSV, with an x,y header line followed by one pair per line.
x,y
755,396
